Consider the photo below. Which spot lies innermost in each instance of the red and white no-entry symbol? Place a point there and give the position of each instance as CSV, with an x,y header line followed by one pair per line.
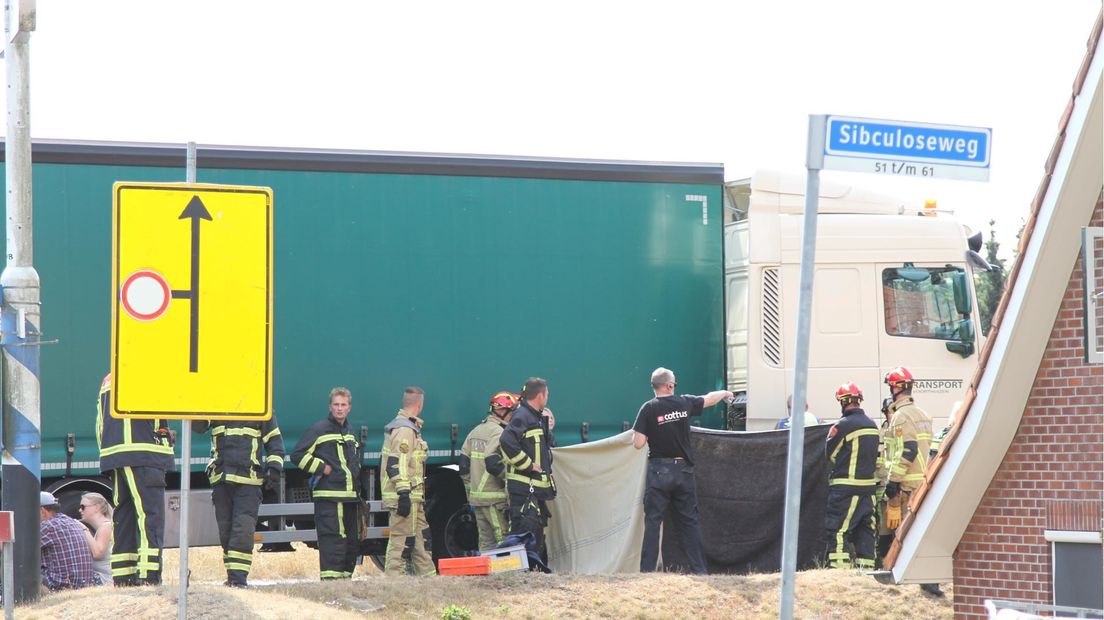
x,y
145,295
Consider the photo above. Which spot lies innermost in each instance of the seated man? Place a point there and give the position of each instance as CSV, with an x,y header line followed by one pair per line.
x,y
784,423
66,557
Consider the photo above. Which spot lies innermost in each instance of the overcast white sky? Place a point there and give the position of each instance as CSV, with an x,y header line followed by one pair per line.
x,y
730,82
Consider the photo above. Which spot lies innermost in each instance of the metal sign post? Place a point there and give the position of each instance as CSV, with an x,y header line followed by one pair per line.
x,y
21,319
814,161
899,148
186,454
171,356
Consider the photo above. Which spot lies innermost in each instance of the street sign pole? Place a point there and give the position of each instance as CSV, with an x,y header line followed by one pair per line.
x,y
899,148
814,161
186,451
163,234
20,319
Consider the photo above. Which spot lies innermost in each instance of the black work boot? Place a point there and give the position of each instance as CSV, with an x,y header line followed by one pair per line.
x,y
932,589
237,579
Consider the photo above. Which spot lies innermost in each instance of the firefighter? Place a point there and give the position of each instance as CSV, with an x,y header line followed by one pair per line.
x,y
330,453
852,449
403,456
236,474
908,441
136,454
484,473
526,445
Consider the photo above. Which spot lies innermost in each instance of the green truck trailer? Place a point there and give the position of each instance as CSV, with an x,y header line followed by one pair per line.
x,y
460,274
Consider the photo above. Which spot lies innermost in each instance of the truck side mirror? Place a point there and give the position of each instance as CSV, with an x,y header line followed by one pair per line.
x,y
963,305
965,344
961,287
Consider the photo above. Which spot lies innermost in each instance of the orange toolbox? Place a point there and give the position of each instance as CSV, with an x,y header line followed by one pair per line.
x,y
479,565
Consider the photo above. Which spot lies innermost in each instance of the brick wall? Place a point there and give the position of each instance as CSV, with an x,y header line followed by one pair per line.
x,y
906,311
1052,474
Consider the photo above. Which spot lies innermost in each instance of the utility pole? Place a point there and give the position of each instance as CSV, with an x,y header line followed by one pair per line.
x,y
814,162
21,314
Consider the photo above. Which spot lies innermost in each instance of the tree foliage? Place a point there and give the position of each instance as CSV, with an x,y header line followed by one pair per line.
x,y
990,284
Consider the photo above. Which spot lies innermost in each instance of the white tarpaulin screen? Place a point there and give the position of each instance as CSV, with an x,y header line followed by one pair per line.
x,y
598,516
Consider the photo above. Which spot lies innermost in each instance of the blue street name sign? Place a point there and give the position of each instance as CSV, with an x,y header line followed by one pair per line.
x,y
904,148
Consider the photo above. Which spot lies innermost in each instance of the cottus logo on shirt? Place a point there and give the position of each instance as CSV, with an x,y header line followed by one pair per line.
x,y
671,417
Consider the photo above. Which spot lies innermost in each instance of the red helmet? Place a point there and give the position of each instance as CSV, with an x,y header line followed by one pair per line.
x,y
503,402
899,377
849,393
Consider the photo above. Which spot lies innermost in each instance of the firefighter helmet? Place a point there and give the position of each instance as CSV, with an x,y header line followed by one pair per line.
x,y
503,403
899,377
849,393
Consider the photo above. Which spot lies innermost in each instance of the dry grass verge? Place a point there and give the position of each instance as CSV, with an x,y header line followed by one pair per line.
x,y
820,594
205,563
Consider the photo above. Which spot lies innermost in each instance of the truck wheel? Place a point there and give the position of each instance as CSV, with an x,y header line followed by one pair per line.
x,y
462,533
68,492
448,499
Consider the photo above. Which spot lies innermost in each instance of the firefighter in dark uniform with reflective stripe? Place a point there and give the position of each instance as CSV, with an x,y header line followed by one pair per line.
x,y
526,444
403,456
136,453
330,453
484,473
236,473
852,449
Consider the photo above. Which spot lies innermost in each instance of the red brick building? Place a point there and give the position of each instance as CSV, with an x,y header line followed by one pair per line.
x,y
1049,488
1013,508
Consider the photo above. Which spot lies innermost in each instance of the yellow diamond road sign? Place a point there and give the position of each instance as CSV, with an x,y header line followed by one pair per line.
x,y
191,311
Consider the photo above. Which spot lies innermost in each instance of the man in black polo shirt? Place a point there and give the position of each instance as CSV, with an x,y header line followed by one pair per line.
x,y
663,423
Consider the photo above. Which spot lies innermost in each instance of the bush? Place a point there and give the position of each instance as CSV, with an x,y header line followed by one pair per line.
x,y
455,612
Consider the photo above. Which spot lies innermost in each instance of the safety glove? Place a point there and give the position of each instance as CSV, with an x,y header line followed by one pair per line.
x,y
403,509
893,516
272,478
892,489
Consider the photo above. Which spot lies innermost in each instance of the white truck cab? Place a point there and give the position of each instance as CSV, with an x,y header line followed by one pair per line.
x,y
893,287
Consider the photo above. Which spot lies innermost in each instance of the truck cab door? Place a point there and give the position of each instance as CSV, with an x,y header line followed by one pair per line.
x,y
924,328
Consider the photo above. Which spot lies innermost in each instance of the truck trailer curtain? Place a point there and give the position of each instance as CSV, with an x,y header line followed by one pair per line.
x,y
598,521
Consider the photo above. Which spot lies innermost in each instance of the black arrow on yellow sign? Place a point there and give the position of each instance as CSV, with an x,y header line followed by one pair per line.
x,y
195,211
